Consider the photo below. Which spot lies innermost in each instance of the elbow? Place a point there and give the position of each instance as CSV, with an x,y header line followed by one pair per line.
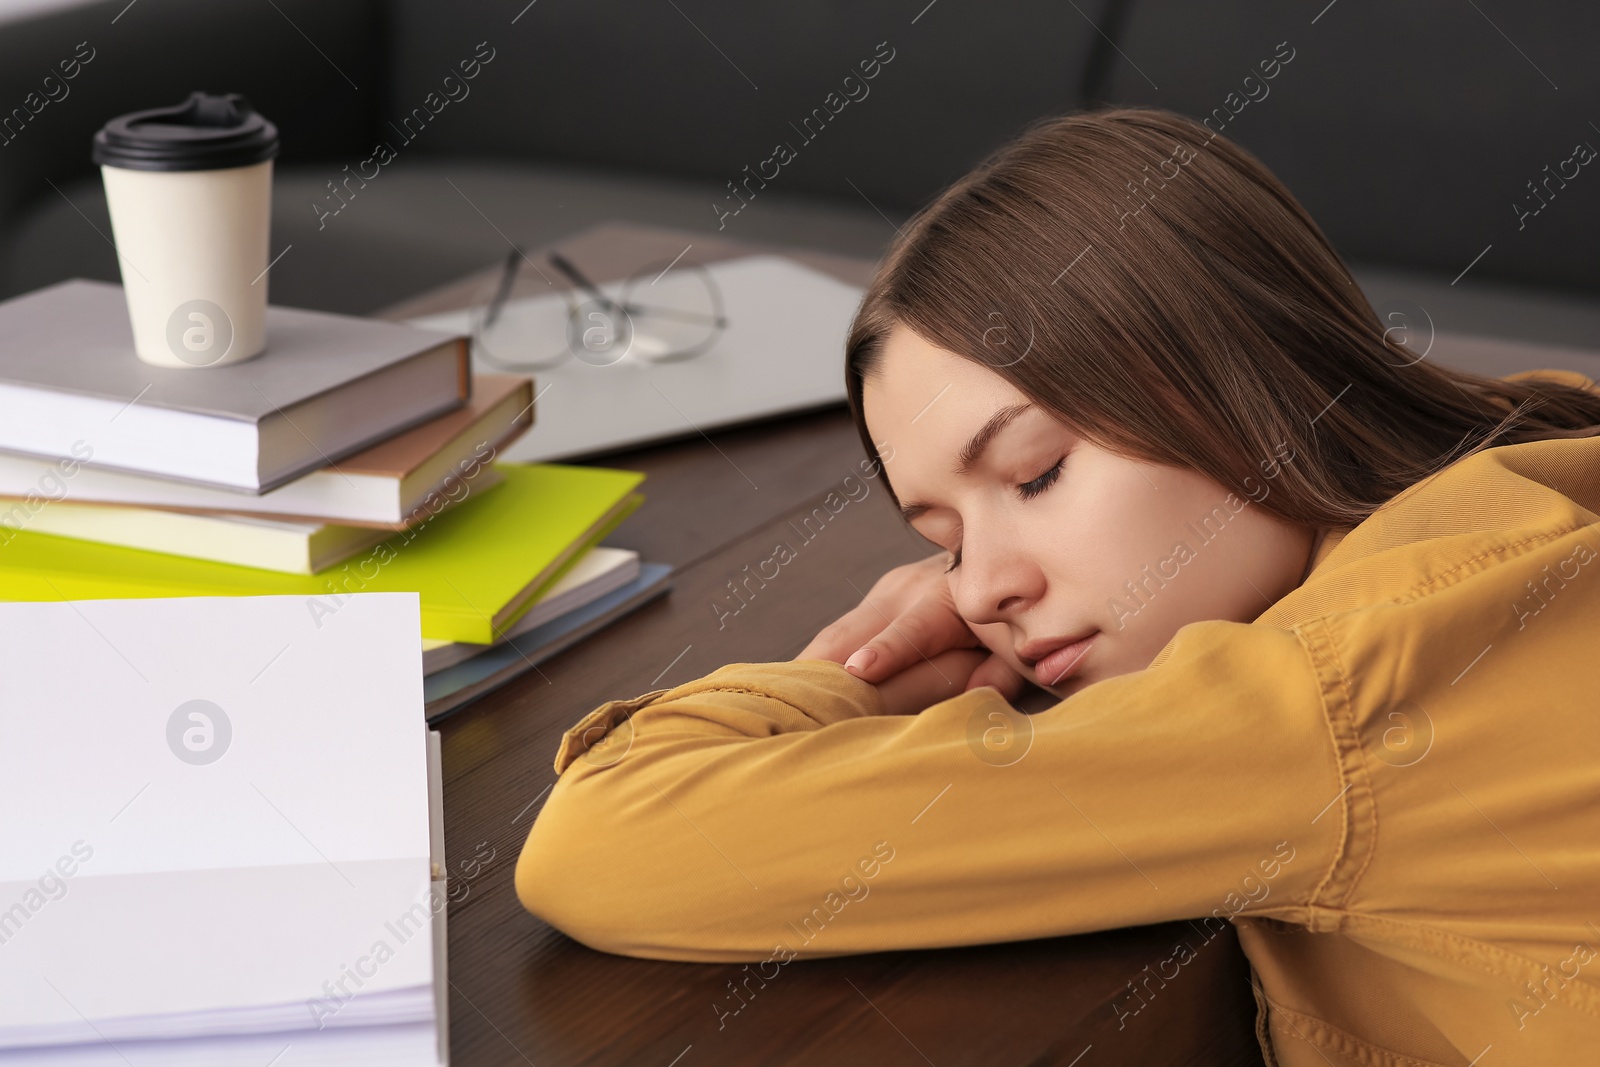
x,y
602,871
574,874
554,876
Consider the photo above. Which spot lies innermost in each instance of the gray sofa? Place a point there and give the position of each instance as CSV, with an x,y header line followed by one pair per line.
x,y
1409,131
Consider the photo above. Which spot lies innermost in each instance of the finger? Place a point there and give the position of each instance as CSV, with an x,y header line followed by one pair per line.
x,y
927,682
890,594
925,630
844,635
1000,674
952,670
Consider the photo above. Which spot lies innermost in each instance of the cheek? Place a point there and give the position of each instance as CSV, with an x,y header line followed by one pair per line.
x,y
1118,517
1192,557
1089,536
1164,551
1130,558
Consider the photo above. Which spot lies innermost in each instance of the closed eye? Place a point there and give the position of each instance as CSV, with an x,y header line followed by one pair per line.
x,y
1027,490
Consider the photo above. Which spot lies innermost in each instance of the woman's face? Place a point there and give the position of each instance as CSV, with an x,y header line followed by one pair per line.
x,y
1057,540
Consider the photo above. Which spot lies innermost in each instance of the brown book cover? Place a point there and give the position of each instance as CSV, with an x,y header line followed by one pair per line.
x,y
405,452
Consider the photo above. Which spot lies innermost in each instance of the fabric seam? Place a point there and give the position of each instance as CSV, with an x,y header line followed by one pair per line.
x,y
1359,759
1322,662
1429,585
1347,1044
1472,954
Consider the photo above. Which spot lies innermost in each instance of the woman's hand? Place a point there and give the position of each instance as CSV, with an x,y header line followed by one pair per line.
x,y
928,681
906,620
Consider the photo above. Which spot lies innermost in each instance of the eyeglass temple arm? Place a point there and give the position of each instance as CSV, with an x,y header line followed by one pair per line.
x,y
508,272
578,278
675,313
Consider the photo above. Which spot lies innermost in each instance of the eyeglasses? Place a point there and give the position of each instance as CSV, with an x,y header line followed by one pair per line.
x,y
662,313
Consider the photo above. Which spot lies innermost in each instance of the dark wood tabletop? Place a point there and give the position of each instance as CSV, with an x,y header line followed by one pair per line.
x,y
521,992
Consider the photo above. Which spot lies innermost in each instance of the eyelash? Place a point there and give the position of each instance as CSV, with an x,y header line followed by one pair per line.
x,y
1028,491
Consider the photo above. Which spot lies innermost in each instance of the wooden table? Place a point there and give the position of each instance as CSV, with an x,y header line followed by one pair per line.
x,y
523,993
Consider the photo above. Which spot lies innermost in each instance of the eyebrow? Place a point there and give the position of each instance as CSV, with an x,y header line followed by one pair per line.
x,y
972,451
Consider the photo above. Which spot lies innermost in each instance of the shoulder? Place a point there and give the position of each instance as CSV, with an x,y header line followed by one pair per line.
x,y
1561,377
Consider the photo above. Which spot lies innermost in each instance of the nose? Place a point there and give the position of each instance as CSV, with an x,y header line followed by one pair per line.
x,y
996,580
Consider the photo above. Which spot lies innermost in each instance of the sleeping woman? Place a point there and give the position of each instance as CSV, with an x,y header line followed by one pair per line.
x,y
1312,613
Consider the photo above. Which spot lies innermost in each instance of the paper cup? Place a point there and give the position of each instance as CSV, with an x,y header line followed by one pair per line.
x,y
190,193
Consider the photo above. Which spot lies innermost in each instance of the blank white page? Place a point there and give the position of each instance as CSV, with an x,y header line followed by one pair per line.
x,y
231,861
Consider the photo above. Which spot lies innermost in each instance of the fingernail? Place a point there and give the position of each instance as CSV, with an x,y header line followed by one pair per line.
x,y
861,659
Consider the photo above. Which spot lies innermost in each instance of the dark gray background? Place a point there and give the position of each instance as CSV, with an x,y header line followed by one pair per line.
x,y
1407,127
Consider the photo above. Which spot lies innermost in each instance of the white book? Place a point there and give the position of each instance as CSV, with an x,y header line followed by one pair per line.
x,y
327,386
194,851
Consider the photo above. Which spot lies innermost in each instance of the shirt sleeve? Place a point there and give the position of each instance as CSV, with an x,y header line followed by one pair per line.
x,y
1564,377
773,808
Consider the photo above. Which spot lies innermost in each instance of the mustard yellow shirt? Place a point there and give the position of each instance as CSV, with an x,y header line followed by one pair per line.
x,y
1389,783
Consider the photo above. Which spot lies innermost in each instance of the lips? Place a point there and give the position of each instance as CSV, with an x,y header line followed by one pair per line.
x,y
1055,659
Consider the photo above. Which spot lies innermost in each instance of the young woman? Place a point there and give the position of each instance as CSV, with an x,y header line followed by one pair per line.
x,y
1319,614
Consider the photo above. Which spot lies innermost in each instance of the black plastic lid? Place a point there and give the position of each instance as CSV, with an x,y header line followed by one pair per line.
x,y
208,131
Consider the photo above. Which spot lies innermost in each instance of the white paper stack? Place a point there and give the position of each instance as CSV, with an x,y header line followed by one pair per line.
x,y
221,836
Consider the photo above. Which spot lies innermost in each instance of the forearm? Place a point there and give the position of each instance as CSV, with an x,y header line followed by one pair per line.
x,y
768,805
616,858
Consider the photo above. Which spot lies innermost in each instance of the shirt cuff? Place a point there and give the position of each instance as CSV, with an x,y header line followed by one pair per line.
x,y
822,690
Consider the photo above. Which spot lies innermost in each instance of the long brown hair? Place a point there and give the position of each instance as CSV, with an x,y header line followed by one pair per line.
x,y
1154,287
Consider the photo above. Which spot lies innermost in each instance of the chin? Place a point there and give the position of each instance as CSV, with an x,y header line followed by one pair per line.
x,y
1068,687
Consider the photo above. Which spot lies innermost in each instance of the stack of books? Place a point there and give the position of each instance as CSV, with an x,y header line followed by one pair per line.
x,y
180,553
354,455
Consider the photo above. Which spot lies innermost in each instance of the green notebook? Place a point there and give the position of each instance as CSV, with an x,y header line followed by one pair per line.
x,y
476,567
